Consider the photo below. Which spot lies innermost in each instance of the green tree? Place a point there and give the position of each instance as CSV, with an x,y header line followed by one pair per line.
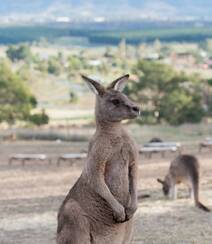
x,y
54,66
21,52
39,118
15,99
41,65
74,63
167,95
179,106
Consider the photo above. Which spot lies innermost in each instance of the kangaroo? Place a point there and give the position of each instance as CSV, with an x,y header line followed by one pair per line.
x,y
100,206
185,169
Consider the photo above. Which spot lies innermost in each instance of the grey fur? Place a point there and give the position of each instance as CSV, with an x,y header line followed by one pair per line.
x,y
99,208
183,169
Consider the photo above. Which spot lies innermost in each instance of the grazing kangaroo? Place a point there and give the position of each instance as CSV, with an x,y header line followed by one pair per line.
x,y
185,169
100,206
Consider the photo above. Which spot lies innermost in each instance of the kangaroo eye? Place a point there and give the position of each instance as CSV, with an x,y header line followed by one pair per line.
x,y
115,102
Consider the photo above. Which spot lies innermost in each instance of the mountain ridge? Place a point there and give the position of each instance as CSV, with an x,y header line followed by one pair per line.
x,y
118,9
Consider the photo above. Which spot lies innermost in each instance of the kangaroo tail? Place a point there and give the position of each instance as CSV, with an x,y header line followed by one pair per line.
x,y
203,207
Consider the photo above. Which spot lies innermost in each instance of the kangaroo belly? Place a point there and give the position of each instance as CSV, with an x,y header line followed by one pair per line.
x,y
118,183
95,205
96,209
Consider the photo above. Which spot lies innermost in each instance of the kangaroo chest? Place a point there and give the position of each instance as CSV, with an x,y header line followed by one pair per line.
x,y
117,169
122,153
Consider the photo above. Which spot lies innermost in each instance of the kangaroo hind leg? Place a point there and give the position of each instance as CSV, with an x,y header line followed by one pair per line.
x,y
73,225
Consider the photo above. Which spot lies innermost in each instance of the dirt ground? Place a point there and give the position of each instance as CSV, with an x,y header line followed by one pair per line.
x,y
30,197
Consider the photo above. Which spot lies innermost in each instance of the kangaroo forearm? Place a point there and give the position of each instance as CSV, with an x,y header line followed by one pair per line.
x,y
133,189
102,189
133,182
133,195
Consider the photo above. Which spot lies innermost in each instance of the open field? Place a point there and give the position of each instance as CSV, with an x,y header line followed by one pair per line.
x,y
72,127
30,197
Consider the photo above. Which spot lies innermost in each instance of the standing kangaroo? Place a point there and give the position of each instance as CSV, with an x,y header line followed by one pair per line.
x,y
100,206
185,169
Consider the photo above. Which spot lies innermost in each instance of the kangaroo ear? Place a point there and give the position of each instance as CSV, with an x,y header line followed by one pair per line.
x,y
95,87
160,181
119,83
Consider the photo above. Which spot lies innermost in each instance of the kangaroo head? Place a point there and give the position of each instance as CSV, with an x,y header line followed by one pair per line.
x,y
111,104
165,185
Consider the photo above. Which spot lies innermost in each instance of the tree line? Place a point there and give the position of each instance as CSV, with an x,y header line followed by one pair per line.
x,y
165,95
16,100
170,96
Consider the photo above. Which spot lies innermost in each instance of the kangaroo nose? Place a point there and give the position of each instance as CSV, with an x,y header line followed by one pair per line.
x,y
136,109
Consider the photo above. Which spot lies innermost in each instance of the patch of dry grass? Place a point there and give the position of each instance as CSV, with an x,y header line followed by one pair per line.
x,y
31,195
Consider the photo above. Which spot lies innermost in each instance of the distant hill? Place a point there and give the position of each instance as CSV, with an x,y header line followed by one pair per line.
x,y
112,9
125,20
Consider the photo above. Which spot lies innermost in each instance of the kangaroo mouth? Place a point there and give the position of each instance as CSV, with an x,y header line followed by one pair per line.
x,y
134,115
